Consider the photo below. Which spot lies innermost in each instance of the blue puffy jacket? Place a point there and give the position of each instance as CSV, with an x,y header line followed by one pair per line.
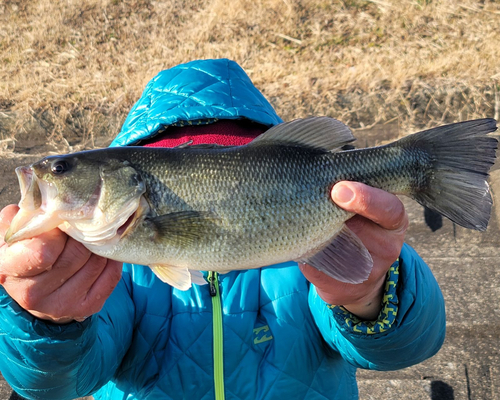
x,y
265,334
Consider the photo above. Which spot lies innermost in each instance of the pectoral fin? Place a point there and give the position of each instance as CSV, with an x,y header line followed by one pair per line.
x,y
345,258
184,227
179,278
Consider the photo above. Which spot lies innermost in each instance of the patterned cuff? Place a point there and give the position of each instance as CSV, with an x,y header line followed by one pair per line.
x,y
387,315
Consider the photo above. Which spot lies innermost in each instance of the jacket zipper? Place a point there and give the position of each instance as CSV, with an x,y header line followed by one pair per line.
x,y
218,345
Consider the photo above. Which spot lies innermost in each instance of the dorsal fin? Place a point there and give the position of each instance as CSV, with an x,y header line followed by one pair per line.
x,y
318,132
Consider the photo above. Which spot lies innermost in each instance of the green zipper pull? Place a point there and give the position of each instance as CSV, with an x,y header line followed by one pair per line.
x,y
218,344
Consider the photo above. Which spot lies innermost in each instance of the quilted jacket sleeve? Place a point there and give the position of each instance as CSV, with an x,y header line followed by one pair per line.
x,y
41,360
410,328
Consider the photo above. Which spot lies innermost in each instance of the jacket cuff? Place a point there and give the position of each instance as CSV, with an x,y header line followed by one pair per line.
x,y
387,316
17,323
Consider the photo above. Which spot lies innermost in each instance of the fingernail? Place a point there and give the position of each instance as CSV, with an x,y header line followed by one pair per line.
x,y
342,194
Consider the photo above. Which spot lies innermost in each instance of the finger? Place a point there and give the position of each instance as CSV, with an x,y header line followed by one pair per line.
x,y
87,290
72,300
381,207
318,278
379,241
104,286
79,284
6,216
69,300
32,256
72,258
337,292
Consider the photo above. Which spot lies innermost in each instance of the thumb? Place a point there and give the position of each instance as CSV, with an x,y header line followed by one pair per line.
x,y
6,216
377,205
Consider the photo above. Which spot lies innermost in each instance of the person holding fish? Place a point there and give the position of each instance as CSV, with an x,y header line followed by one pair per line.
x,y
277,260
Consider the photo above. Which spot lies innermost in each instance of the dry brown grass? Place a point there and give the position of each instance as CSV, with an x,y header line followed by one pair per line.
x,y
71,69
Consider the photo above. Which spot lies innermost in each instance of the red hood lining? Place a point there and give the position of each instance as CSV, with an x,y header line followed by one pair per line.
x,y
223,132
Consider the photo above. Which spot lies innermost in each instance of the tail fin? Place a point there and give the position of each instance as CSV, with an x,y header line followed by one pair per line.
x,y
462,155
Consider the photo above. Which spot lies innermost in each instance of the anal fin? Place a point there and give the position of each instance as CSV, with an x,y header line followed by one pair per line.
x,y
345,258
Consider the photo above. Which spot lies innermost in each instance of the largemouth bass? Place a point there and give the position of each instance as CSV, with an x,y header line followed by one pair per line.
x,y
190,209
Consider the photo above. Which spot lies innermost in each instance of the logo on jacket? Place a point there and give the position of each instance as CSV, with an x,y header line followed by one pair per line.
x,y
262,334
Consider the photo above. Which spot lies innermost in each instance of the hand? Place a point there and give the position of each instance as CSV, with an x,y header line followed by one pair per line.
x,y
54,277
381,224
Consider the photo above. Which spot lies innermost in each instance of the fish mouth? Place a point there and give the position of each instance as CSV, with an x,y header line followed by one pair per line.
x,y
31,196
25,178
40,210
31,219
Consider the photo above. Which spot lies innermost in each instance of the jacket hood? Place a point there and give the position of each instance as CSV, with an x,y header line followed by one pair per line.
x,y
198,92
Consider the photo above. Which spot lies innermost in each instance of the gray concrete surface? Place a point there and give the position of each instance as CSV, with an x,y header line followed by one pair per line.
x,y
465,264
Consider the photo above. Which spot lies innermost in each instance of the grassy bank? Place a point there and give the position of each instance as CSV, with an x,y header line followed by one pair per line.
x,y
70,70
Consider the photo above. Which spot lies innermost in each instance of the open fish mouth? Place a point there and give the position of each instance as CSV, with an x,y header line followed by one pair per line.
x,y
32,219
31,196
43,208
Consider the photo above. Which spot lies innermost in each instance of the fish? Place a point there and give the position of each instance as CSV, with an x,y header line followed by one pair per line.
x,y
211,208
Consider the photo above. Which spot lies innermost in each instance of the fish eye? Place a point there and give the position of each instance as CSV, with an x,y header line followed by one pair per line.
x,y
59,167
